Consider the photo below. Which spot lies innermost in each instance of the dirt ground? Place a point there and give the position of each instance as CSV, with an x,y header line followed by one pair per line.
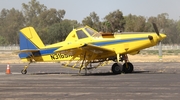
x,y
13,58
154,58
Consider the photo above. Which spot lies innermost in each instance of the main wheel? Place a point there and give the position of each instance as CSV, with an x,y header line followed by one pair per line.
x,y
23,71
129,68
116,68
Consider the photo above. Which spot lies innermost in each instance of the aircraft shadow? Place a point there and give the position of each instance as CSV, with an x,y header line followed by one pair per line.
x,y
43,73
98,74
109,73
139,72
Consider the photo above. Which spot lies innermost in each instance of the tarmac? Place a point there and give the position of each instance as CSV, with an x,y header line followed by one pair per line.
x,y
51,81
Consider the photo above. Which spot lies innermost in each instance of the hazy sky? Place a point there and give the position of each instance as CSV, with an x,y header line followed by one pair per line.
x,y
79,9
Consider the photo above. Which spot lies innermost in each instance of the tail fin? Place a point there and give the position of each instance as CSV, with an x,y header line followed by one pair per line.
x,y
29,39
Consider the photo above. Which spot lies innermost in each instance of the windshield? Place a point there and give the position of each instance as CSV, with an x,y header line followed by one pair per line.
x,y
92,32
81,34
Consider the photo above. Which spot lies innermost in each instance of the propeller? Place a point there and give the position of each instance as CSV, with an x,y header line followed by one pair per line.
x,y
156,29
160,44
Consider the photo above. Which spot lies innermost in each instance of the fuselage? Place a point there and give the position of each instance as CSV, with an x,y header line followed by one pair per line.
x,y
121,43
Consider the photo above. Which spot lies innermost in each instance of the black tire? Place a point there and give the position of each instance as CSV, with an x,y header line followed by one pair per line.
x,y
23,71
129,68
116,68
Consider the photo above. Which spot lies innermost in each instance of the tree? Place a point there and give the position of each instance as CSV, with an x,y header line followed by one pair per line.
x,y
178,32
59,31
93,21
172,33
161,21
31,12
38,16
114,21
51,16
10,25
135,23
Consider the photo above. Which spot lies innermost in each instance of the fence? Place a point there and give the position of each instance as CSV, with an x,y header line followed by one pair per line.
x,y
9,48
165,47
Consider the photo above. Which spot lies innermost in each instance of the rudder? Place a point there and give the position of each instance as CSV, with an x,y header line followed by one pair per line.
x,y
29,39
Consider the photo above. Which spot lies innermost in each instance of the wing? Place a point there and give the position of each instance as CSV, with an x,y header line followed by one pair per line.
x,y
70,46
91,51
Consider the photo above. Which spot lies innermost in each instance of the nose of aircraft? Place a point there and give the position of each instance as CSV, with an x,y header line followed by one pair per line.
x,y
162,36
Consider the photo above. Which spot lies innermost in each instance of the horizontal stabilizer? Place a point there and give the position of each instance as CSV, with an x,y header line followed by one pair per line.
x,y
27,50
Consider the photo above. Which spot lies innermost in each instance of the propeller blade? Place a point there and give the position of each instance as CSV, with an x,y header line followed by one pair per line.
x,y
156,29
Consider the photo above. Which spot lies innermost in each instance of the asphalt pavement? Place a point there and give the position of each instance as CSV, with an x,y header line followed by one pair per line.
x,y
51,81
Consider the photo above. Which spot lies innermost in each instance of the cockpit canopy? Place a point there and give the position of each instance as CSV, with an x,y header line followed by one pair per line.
x,y
81,33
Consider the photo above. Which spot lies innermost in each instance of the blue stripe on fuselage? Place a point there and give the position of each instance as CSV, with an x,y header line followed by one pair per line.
x,y
51,50
117,41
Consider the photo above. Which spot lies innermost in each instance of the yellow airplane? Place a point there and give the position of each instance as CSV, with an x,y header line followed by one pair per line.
x,y
85,46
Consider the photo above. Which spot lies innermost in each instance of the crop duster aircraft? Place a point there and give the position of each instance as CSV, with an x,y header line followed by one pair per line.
x,y
84,46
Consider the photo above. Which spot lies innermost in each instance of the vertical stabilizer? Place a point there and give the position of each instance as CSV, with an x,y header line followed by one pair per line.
x,y
29,39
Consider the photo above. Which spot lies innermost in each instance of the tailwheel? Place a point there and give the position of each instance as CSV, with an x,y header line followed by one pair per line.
x,y
116,68
24,71
128,67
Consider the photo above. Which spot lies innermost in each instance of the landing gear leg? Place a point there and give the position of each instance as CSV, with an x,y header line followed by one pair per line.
x,y
24,71
127,66
90,68
82,65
